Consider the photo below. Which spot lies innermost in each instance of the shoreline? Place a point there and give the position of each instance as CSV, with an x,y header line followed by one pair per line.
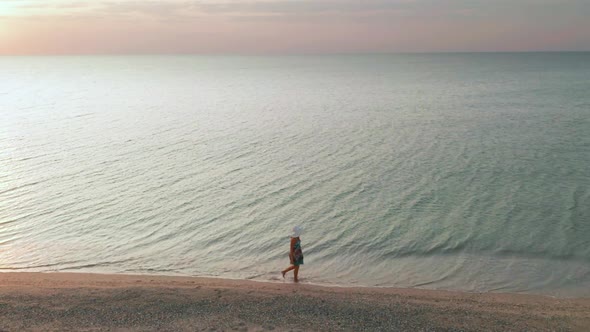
x,y
278,280
88,301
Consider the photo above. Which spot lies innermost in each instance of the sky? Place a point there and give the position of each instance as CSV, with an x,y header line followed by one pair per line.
x,y
55,27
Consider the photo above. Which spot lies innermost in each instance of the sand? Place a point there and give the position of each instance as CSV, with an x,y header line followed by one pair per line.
x,y
95,302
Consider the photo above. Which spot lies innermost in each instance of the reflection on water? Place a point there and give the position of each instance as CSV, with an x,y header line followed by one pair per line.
x,y
440,171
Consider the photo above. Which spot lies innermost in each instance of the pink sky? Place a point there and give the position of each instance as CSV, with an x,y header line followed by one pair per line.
x,y
291,26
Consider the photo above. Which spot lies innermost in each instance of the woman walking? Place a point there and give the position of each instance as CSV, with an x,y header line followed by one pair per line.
x,y
295,253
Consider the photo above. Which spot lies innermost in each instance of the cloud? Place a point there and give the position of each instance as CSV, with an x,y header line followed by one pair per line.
x,y
367,6
303,8
152,8
52,5
300,7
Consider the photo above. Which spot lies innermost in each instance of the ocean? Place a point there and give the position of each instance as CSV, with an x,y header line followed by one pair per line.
x,y
465,172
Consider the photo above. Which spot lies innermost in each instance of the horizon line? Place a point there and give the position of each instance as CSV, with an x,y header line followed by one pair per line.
x,y
292,54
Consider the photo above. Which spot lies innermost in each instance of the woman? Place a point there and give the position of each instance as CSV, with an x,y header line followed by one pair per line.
x,y
295,253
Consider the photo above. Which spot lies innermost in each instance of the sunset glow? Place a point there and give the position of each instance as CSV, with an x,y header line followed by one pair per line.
x,y
291,26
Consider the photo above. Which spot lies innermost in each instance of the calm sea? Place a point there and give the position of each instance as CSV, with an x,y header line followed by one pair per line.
x,y
442,171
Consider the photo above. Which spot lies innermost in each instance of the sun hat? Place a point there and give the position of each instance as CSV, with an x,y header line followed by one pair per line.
x,y
296,231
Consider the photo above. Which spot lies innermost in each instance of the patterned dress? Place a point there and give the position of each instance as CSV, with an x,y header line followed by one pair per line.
x,y
298,254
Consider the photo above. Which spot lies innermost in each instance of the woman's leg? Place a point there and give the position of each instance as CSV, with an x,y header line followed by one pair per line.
x,y
296,272
287,270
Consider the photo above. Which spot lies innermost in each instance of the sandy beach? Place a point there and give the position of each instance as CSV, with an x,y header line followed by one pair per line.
x,y
95,302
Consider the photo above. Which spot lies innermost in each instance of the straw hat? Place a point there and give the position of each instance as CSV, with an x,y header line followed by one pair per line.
x,y
296,231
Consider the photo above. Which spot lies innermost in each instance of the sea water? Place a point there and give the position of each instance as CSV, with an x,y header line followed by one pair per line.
x,y
443,171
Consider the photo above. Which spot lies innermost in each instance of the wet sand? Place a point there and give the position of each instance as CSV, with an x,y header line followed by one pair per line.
x,y
95,302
